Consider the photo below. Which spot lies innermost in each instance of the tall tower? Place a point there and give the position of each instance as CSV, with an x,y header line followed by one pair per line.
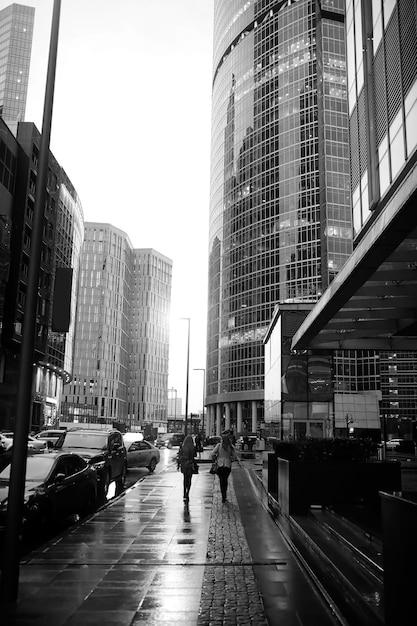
x,y
148,370
120,370
99,389
280,217
16,32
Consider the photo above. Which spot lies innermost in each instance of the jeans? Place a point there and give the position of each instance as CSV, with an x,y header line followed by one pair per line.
x,y
223,474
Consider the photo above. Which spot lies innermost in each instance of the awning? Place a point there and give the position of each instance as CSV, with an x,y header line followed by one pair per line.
x,y
372,302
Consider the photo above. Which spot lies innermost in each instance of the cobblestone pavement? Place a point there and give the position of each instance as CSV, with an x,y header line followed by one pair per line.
x,y
229,592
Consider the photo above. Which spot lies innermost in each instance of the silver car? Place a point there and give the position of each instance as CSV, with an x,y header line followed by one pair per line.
x,y
140,453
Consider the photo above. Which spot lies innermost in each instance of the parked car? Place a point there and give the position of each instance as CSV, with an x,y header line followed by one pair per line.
x,y
212,441
102,449
406,446
393,444
37,445
169,440
34,445
140,453
57,485
247,442
51,436
6,443
162,440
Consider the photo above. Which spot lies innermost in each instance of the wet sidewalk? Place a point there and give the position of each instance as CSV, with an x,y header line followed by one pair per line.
x,y
147,559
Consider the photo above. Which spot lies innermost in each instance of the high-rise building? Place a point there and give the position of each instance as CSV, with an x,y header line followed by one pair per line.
x,y
280,214
61,246
100,377
16,32
148,370
120,371
372,302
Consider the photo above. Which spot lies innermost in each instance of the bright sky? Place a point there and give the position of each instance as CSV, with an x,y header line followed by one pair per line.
x,y
131,128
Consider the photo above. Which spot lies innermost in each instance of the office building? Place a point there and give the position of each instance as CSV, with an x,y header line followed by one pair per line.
x,y
120,371
150,302
98,391
280,212
372,302
61,245
16,32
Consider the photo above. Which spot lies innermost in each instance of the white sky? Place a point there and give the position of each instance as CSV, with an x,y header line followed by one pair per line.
x,y
131,128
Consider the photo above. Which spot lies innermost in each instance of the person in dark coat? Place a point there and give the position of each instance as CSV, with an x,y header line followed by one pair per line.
x,y
198,443
185,462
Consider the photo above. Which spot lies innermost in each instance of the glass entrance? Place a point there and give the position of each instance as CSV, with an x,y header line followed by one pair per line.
x,y
308,429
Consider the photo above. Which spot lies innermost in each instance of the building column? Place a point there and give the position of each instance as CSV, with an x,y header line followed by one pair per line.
x,y
239,417
218,419
227,416
254,424
207,421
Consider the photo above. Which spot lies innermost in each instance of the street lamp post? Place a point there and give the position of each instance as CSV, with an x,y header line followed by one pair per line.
x,y
175,405
201,369
9,582
187,377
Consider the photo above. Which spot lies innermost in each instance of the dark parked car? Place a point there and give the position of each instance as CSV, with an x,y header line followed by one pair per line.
x,y
247,442
104,450
57,485
212,441
140,453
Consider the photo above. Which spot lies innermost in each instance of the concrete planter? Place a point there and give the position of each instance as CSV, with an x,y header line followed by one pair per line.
x,y
303,484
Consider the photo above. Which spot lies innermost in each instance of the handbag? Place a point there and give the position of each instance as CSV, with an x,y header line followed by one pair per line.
x,y
195,467
214,467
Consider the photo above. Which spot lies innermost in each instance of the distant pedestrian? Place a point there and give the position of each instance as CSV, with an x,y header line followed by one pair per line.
x,y
198,443
185,462
224,453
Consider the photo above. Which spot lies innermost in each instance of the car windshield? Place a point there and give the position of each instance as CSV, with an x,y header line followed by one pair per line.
x,y
96,441
37,468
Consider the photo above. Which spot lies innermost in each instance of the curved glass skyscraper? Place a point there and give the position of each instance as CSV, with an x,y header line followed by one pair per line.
x,y
280,218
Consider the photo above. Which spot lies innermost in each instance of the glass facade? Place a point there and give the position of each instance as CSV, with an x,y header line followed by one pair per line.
x,y
120,370
150,304
383,110
16,32
391,62
280,218
99,389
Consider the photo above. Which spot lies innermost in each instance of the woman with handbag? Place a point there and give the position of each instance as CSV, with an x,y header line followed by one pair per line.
x,y
224,454
187,464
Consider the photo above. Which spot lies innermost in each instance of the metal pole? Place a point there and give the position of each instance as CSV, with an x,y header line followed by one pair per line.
x,y
11,547
188,371
201,369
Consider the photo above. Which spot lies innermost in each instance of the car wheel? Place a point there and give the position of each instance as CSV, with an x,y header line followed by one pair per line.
x,y
90,504
35,525
152,465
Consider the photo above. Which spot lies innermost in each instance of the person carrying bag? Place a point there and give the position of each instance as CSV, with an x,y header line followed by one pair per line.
x,y
224,454
187,464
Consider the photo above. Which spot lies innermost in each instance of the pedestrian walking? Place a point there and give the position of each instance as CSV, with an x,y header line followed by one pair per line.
x,y
198,443
224,454
185,462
